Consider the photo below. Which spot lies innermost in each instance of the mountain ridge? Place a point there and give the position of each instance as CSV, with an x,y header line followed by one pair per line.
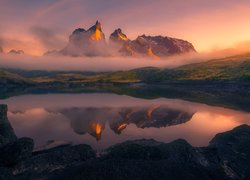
x,y
92,42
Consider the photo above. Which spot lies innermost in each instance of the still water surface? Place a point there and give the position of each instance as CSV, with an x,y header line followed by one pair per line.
x,y
102,120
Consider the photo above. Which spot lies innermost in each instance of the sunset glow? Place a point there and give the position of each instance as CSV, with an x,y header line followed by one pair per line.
x,y
96,36
151,53
209,25
134,89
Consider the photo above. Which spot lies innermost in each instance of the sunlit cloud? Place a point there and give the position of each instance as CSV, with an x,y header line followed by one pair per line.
x,y
207,24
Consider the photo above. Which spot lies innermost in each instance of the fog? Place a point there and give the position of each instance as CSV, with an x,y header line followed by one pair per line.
x,y
90,63
96,64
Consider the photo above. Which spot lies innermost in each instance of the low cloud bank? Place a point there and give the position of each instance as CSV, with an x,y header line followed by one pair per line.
x,y
90,63
63,63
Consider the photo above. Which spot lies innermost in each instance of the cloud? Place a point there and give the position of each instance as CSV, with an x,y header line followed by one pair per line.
x,y
100,64
47,37
204,23
5,42
27,45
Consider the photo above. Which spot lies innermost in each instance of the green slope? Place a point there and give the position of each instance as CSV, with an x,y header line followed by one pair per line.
x,y
230,68
11,78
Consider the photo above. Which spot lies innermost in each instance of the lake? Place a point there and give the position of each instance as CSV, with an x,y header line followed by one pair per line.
x,y
103,119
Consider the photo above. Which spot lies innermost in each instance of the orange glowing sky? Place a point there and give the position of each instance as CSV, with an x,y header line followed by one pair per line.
x,y
37,26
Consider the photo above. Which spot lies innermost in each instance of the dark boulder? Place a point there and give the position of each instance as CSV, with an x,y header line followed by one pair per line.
x,y
144,159
178,150
233,150
5,174
6,131
54,159
17,151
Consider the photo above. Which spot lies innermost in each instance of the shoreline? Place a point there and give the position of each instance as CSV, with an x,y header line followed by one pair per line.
x,y
226,157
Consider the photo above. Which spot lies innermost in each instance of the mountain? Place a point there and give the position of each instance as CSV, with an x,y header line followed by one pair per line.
x,y
93,120
17,52
154,46
92,42
89,42
118,37
160,46
153,116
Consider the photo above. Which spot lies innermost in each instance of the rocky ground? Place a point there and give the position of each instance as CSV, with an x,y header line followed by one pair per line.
x,y
226,157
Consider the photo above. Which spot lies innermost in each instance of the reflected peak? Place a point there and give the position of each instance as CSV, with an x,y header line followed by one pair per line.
x,y
97,128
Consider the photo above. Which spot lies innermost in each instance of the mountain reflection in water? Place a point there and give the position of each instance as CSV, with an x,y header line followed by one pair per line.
x,y
93,120
102,120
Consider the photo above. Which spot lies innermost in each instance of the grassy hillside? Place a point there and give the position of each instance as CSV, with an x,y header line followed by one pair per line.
x,y
194,82
115,77
230,68
11,78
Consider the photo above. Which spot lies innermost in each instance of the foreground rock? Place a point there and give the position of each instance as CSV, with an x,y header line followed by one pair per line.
x,y
227,157
233,150
15,152
6,131
44,162
146,159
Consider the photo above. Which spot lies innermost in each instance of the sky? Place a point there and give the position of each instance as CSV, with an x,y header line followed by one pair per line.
x,y
37,26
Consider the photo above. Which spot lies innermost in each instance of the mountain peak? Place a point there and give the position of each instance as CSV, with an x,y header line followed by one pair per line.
x,y
18,52
92,43
118,36
97,26
78,30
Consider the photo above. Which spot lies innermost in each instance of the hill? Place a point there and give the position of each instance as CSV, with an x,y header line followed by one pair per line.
x,y
236,68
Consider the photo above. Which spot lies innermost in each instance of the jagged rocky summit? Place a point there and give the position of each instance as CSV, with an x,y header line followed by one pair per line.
x,y
16,52
89,42
119,118
154,46
12,51
92,42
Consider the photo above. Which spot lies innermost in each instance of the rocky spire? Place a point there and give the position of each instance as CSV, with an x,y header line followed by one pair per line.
x,y
97,26
91,42
118,36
